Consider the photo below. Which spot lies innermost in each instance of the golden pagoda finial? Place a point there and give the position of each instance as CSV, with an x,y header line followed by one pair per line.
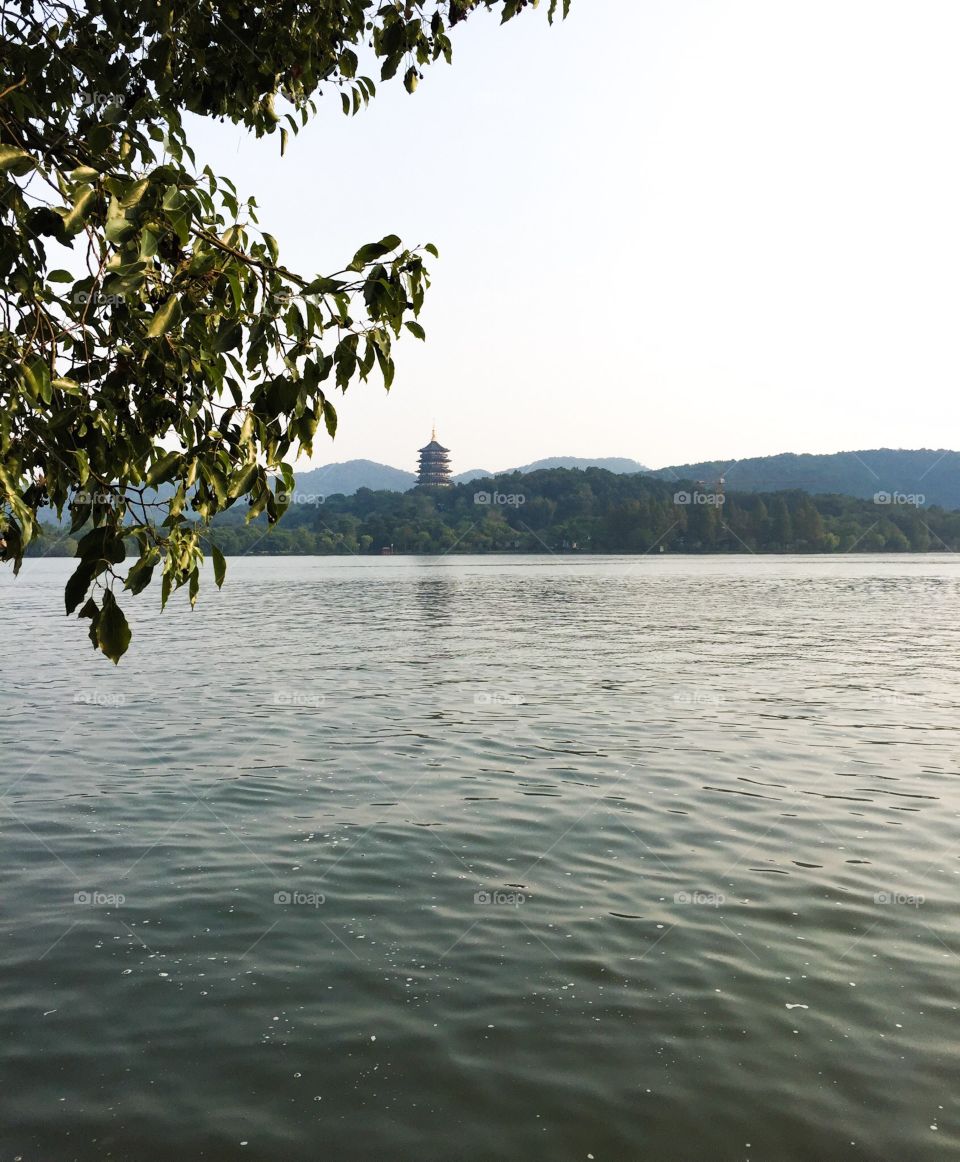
x,y
433,432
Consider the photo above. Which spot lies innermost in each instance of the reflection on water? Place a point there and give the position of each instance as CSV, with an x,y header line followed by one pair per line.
x,y
435,595
487,859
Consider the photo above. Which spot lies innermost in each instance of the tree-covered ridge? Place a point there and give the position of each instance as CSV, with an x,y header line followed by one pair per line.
x,y
933,473
563,510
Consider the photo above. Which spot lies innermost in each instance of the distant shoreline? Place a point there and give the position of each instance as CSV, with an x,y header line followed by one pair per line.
x,y
35,554
582,513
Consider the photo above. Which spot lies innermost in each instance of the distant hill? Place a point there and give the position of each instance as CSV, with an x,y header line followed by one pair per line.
x,y
931,473
928,472
611,463
351,475
618,464
472,474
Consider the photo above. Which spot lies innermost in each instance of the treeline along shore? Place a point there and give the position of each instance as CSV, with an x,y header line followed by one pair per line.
x,y
585,511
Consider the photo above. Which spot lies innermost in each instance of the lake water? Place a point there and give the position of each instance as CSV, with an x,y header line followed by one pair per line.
x,y
486,859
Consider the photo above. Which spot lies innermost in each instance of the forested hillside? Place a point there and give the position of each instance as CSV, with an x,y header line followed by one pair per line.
x,y
586,511
929,472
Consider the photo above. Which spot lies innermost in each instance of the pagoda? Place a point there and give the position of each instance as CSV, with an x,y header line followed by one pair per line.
x,y
434,470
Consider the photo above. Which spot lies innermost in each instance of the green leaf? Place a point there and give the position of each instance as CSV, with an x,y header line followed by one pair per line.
x,y
345,356
80,514
148,244
37,378
135,193
113,633
235,288
387,369
166,584
416,329
322,286
15,161
216,479
163,469
117,229
242,481
101,546
219,566
79,583
141,573
374,250
73,219
166,317
330,417
92,611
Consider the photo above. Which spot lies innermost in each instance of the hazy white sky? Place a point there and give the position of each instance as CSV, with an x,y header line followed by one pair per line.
x,y
668,229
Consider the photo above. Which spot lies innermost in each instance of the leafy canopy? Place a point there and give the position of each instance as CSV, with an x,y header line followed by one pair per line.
x,y
151,336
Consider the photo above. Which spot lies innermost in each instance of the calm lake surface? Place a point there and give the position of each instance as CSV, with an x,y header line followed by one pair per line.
x,y
486,859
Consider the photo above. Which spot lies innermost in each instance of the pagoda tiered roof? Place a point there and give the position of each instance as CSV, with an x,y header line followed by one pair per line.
x,y
434,468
